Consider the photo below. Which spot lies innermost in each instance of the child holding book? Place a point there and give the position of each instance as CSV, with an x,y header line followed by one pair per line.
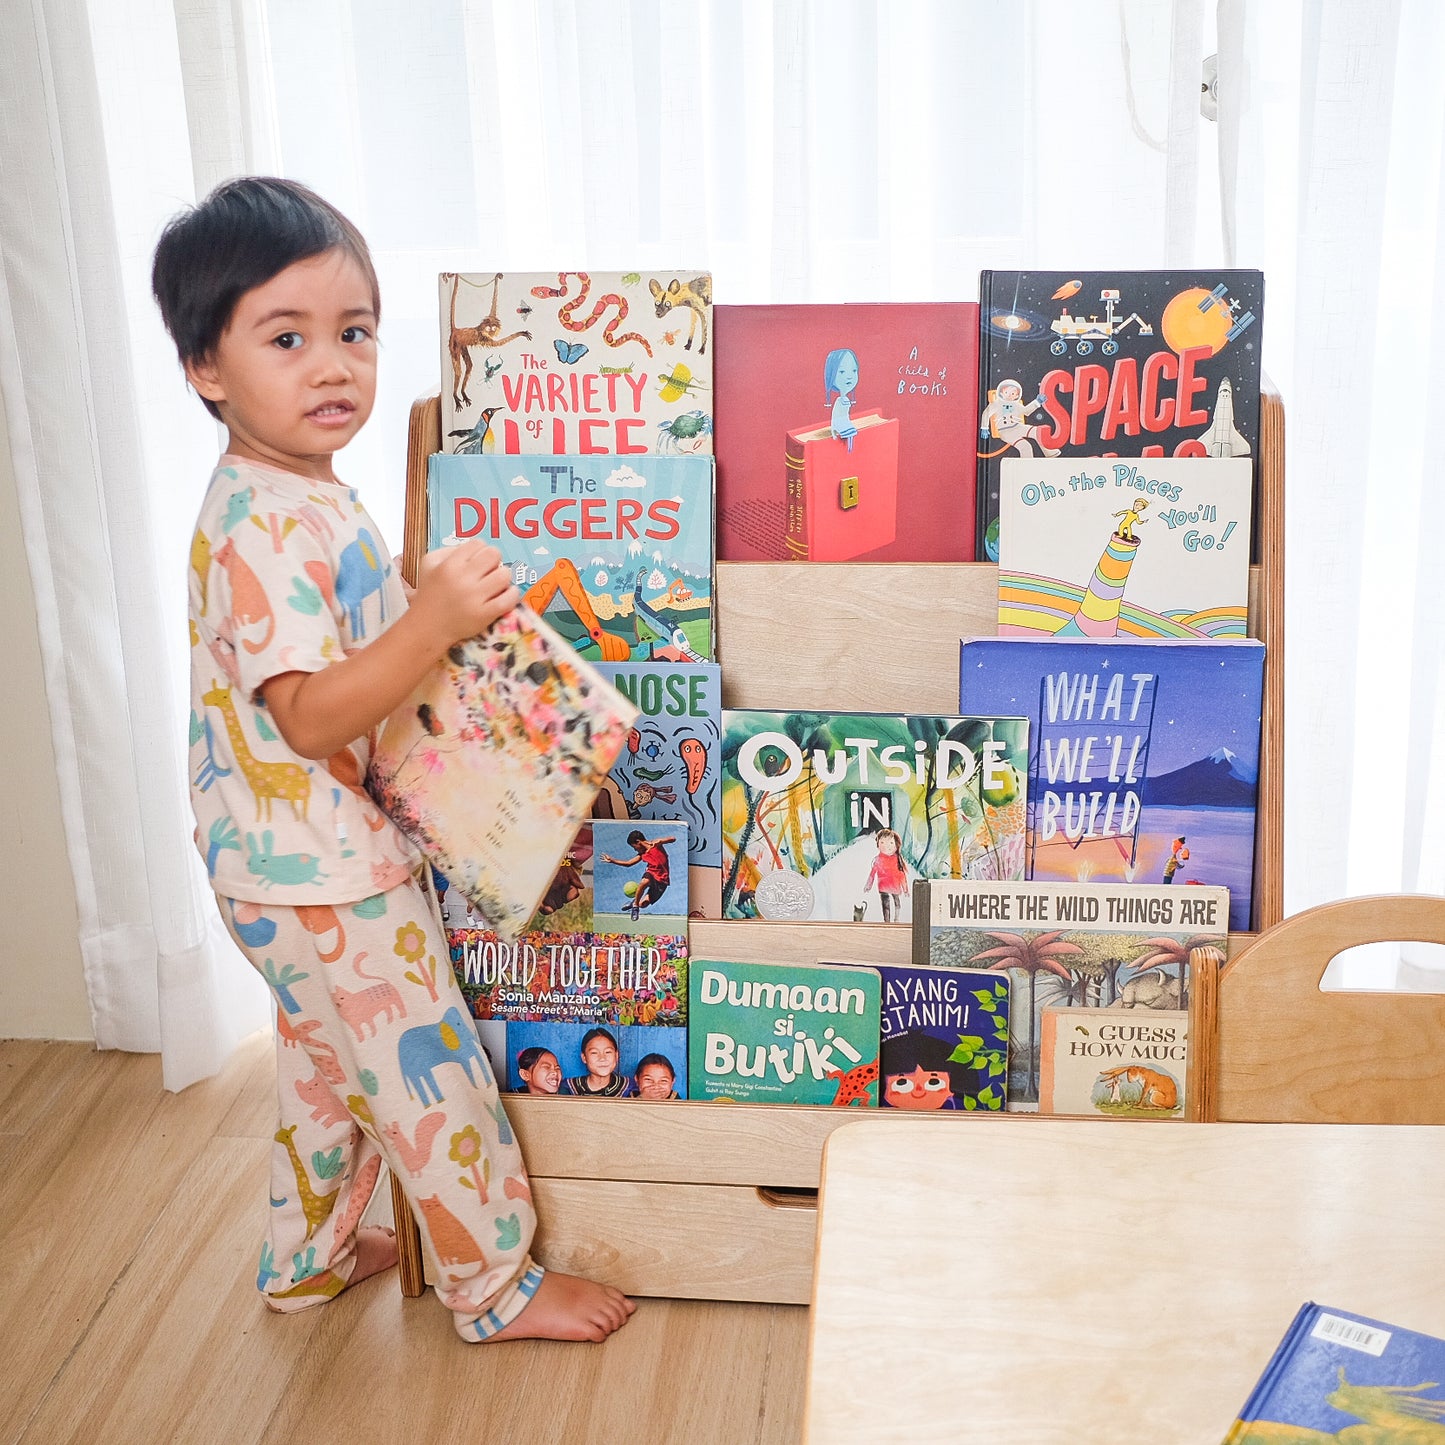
x,y
302,642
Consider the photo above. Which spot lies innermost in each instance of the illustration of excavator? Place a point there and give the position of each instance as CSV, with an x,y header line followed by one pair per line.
x,y
563,577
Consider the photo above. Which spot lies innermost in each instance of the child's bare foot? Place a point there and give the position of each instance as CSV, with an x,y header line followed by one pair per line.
x,y
568,1308
375,1252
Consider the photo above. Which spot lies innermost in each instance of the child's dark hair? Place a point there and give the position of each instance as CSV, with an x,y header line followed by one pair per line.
x,y
636,839
596,1034
527,1059
662,1059
244,233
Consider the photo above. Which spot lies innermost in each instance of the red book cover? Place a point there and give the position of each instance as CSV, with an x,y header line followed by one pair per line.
x,y
777,371
842,492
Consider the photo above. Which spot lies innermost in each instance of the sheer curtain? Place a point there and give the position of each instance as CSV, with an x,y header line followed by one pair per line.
x,y
803,150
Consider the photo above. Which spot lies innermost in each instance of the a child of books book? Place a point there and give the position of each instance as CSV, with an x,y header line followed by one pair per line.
x,y
563,362
1123,952
607,948
495,759
671,768
834,816
1114,363
1143,755
797,1033
1150,547
838,430
1342,1376
1094,1062
617,552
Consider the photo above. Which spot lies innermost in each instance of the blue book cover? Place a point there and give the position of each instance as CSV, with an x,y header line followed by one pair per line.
x,y
1143,756
1338,1375
616,552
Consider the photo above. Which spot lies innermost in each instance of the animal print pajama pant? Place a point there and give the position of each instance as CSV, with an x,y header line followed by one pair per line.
x,y
377,1060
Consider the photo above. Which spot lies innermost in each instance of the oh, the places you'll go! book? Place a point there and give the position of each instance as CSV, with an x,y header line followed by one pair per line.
x,y
835,816
1148,547
1143,755
1339,1376
576,361
616,552
1114,363
795,1033
493,762
1121,956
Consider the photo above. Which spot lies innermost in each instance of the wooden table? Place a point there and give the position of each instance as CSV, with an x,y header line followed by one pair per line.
x,y
1095,1283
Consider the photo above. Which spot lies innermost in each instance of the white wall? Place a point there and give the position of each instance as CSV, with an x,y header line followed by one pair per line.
x,y
42,988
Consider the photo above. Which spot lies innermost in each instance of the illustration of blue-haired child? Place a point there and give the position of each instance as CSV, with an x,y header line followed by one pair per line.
x,y
840,374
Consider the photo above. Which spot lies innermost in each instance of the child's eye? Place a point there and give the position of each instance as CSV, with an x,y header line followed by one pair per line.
x,y
288,340
353,334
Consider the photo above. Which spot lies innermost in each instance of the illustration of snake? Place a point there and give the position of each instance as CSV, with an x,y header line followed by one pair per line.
x,y
564,313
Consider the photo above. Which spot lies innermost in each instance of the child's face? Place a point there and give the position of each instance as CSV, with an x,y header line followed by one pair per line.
x,y
887,843
294,374
599,1058
544,1077
654,1081
922,1089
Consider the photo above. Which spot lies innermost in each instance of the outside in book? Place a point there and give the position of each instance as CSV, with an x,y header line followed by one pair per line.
x,y
1119,1065
1341,1376
1114,363
577,362
1143,755
616,552
791,383
834,816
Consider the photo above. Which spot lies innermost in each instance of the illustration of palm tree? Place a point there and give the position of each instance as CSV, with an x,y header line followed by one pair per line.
x,y
1033,955
1167,953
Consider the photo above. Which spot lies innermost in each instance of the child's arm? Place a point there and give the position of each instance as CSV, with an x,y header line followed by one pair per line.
x,y
622,862
460,592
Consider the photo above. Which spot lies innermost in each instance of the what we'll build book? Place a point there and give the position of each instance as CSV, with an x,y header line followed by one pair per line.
x,y
1114,363
616,552
606,949
579,362
835,816
492,763
1143,755
1121,956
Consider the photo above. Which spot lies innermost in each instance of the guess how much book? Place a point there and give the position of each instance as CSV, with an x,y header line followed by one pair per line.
x,y
1157,547
1122,1065
576,362
495,759
671,768
833,816
617,553
1124,951
804,1033
812,372
1337,1375
1143,755
1114,363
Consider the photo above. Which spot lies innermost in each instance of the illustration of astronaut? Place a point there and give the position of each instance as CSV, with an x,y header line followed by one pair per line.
x,y
1006,417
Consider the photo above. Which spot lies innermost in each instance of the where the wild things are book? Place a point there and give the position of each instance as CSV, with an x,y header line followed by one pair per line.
x,y
835,816
1125,953
577,362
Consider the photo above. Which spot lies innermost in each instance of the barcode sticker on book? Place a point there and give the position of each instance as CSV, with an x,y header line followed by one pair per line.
x,y
1351,1333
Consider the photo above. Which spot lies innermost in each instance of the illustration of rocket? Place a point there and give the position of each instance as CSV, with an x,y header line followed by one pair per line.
x,y
1220,437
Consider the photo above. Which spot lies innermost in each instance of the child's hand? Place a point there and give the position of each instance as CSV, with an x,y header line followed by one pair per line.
x,y
462,590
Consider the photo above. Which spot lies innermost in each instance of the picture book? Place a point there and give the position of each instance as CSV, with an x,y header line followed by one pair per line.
x,y
492,763
1153,547
1337,1375
576,362
1114,363
804,1033
1143,755
671,768
617,553
838,430
607,947
1095,1062
1118,951
834,816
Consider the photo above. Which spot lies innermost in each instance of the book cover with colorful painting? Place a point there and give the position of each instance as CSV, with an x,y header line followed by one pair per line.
x,y
1143,755
1155,547
1337,1376
838,431
834,816
493,762
1126,952
671,768
1114,363
576,362
1092,1062
775,1033
616,552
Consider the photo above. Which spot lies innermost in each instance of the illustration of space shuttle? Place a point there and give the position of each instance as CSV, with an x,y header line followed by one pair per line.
x,y
1220,437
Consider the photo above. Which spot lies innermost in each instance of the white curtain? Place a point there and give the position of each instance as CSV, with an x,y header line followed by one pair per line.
x,y
804,150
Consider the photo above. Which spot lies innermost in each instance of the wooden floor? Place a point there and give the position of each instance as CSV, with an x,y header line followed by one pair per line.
x,y
129,1312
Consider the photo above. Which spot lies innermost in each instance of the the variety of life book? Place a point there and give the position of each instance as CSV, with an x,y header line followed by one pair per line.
x,y
1066,848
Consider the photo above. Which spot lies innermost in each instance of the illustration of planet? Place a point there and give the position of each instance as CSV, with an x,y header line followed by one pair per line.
x,y
1069,288
1184,325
